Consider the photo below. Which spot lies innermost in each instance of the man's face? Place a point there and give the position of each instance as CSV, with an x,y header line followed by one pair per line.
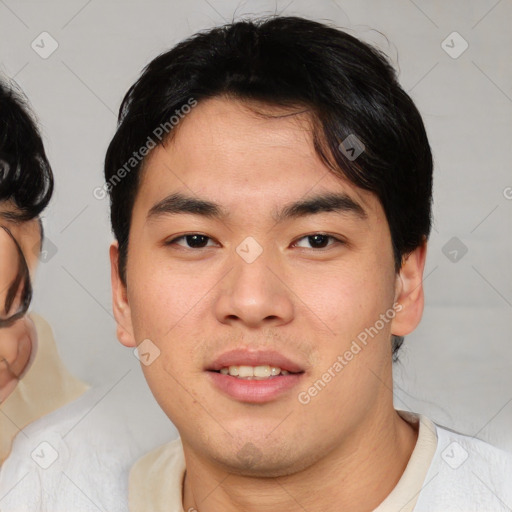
x,y
255,283
17,341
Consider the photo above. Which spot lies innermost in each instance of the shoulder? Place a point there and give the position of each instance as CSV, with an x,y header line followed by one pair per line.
x,y
158,474
467,454
75,458
165,456
466,473
166,459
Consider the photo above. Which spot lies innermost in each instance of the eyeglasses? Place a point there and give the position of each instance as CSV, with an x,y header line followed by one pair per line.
x,y
15,285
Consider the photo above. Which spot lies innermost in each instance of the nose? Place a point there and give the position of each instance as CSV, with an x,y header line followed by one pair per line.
x,y
254,294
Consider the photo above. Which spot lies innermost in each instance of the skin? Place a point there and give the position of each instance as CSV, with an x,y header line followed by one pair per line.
x,y
18,341
347,448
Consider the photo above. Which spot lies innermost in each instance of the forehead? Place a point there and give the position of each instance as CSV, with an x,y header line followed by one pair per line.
x,y
225,151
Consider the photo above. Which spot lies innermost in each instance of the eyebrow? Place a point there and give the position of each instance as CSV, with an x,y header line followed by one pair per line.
x,y
330,202
179,203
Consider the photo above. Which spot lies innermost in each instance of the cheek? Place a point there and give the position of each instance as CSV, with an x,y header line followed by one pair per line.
x,y
156,296
168,307
347,297
9,342
16,344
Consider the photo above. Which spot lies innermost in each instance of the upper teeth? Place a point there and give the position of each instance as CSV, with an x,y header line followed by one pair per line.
x,y
253,371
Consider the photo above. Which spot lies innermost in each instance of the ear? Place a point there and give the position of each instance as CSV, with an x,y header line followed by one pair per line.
x,y
409,292
120,305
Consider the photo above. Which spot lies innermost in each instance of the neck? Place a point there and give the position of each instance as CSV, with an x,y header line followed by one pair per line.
x,y
355,477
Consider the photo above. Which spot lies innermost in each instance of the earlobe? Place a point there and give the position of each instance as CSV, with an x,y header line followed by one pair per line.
x,y
409,292
120,305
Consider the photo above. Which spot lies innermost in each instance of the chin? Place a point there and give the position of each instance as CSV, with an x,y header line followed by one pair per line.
x,y
262,462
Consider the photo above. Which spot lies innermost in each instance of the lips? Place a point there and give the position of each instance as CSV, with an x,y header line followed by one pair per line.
x,y
244,357
256,389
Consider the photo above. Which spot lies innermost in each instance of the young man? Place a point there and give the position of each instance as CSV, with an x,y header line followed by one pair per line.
x,y
270,188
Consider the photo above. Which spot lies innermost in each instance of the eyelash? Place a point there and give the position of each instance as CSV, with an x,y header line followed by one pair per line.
x,y
331,237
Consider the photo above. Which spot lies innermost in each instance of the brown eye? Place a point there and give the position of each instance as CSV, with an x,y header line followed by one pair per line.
x,y
318,241
192,241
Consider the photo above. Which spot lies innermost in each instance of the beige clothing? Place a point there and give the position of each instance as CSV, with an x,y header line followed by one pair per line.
x,y
404,496
46,386
156,480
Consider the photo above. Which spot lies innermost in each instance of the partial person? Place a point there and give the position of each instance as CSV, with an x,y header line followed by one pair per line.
x,y
33,379
57,451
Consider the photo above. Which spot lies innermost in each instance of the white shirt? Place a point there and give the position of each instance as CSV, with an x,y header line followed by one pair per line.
x,y
447,472
466,475
46,386
76,459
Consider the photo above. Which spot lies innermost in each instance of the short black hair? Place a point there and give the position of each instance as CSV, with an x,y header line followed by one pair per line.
x,y
349,87
26,177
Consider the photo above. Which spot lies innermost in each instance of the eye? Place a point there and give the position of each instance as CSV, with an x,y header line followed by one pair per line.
x,y
318,241
191,241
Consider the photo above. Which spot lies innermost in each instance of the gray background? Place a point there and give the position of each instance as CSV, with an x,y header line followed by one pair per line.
x,y
456,367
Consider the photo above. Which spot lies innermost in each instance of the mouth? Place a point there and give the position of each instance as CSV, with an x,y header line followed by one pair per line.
x,y
260,372
254,377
